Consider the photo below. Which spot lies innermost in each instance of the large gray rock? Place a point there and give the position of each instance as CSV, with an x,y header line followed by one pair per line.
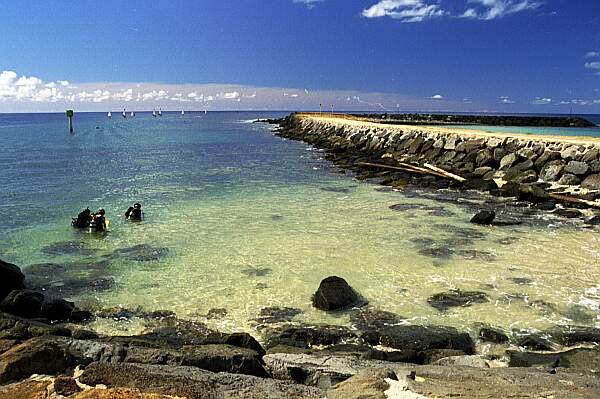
x,y
371,384
192,382
508,160
552,171
569,180
11,278
582,360
23,303
570,153
590,155
591,182
546,157
334,293
577,168
484,158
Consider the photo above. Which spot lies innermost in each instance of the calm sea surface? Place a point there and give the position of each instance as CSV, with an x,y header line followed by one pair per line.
x,y
237,218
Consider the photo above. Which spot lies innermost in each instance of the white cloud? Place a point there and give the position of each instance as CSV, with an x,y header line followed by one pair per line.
x,y
420,10
310,4
593,65
404,10
505,100
541,101
592,54
437,97
231,96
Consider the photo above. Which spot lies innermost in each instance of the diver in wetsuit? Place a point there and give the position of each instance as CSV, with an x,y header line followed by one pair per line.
x,y
100,220
83,219
135,212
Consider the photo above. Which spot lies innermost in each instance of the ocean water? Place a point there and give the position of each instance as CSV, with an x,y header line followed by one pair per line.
x,y
237,218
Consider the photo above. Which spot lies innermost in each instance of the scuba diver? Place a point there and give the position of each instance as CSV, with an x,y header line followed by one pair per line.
x,y
135,212
99,223
83,219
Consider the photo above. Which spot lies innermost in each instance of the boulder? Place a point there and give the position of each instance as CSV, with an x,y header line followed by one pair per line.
x,y
569,153
23,303
484,158
499,153
480,184
305,336
65,386
464,361
37,356
484,217
334,293
592,182
11,277
532,193
482,170
57,309
568,213
372,384
577,168
569,180
421,339
490,334
520,176
508,160
595,166
552,171
590,155
546,157
456,298
526,164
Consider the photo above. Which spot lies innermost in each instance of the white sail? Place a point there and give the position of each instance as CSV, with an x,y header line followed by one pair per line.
x,y
124,114
205,111
132,113
160,112
154,113
109,114
182,112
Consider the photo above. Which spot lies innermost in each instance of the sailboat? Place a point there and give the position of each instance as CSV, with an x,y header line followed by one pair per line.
x,y
182,112
160,112
124,114
132,114
109,114
205,111
154,113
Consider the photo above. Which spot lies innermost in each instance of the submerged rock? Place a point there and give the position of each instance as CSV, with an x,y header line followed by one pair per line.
x,y
11,277
484,217
277,315
366,319
141,253
67,248
57,309
334,293
490,334
305,336
256,271
456,298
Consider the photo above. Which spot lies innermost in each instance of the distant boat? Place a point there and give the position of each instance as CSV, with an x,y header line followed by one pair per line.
x,y
154,113
205,111
109,114
124,114
160,112
132,114
182,112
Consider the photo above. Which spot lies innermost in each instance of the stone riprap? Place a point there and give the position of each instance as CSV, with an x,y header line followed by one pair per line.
x,y
565,164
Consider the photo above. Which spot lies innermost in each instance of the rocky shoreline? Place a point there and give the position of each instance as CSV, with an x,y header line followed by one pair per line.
x,y
46,351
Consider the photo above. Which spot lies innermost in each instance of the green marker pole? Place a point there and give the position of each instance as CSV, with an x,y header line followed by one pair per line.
x,y
70,116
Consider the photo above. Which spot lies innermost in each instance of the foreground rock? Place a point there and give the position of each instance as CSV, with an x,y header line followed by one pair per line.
x,y
484,217
334,293
192,382
11,278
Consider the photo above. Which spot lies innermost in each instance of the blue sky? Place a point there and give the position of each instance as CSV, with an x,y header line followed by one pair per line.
x,y
461,55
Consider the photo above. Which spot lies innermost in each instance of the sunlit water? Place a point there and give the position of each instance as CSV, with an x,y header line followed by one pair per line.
x,y
250,220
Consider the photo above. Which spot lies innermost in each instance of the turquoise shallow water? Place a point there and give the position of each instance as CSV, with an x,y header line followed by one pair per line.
x,y
237,218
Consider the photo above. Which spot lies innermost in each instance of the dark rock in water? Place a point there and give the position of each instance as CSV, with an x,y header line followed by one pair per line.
x,y
11,278
484,217
67,248
79,316
437,252
334,293
476,254
568,213
420,338
580,360
256,271
593,221
277,217
521,280
141,253
455,242
575,335
507,240
366,319
481,185
70,286
336,189
580,314
490,334
23,303
305,336
532,193
545,206
456,298
536,342
36,356
84,334
277,315
422,242
244,340
261,286
57,309
461,232
216,313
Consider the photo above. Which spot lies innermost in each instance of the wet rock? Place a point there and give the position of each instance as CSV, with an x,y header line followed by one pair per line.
x,y
552,171
305,336
244,340
57,309
484,217
334,293
371,383
480,184
521,280
256,271
456,298
67,248
141,253
464,361
569,180
65,386
582,360
592,182
366,319
36,356
216,313
532,193
84,334
536,342
575,335
568,213
507,161
277,315
490,334
577,168
593,220
461,232
192,382
11,277
23,303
